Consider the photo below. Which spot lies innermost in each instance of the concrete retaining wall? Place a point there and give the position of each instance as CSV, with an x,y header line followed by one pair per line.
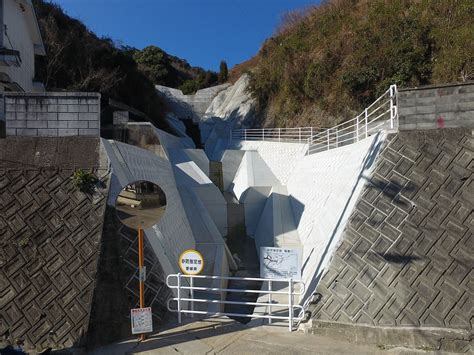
x,y
52,114
447,106
405,256
323,189
51,236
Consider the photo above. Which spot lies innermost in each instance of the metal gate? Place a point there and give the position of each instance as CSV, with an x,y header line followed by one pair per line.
x,y
191,300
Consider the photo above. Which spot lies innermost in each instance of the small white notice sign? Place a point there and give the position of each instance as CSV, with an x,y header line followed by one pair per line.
x,y
280,263
142,274
141,320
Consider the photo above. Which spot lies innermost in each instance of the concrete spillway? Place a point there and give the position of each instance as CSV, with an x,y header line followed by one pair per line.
x,y
368,216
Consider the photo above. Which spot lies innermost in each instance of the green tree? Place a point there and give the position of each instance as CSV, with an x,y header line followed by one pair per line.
x,y
77,60
223,72
154,62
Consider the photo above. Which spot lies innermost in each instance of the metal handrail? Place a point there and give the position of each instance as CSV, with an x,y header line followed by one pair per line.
x,y
292,134
321,139
290,305
360,126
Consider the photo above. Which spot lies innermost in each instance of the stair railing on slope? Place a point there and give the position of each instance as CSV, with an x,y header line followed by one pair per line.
x,y
298,135
381,114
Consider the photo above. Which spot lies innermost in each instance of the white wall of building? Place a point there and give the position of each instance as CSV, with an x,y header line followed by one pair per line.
x,y
19,33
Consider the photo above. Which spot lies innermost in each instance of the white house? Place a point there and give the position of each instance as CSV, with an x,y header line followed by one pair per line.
x,y
20,41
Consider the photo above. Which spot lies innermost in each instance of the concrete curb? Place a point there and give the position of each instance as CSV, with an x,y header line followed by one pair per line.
x,y
453,340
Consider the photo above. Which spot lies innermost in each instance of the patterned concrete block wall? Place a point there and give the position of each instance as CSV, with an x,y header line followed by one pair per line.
x,y
117,281
52,114
406,254
447,106
2,117
50,240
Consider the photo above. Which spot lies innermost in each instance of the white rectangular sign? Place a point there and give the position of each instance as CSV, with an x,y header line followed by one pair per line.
x,y
280,263
141,320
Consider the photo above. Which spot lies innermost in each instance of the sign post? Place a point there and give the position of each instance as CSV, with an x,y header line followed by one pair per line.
x,y
191,263
141,281
140,205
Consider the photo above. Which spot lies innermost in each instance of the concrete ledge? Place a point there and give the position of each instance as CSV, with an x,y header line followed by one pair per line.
x,y
432,107
52,114
50,93
389,337
436,86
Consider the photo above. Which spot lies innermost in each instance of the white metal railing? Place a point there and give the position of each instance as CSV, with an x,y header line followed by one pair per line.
x,y
381,114
191,300
299,134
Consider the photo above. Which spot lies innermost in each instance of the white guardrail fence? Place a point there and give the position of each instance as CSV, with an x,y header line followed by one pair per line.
x,y
181,302
380,115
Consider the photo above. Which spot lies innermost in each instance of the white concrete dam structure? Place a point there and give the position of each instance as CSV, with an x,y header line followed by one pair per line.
x,y
128,164
195,216
290,199
323,189
358,200
301,201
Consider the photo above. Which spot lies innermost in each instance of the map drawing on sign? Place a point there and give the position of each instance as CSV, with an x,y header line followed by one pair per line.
x,y
280,263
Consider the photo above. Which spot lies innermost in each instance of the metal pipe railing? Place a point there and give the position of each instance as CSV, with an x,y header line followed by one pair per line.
x,y
290,293
384,108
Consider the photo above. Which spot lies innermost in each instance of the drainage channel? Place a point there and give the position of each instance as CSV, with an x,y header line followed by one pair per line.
x,y
244,251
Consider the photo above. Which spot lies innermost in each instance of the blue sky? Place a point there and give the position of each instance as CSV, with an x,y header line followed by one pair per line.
x,y
203,32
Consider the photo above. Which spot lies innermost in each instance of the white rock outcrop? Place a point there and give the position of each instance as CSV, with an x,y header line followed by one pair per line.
x,y
233,104
189,106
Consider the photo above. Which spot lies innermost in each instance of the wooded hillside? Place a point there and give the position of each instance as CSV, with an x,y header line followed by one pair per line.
x,y
327,62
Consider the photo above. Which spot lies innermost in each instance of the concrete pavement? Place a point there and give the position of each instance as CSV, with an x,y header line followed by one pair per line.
x,y
224,336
